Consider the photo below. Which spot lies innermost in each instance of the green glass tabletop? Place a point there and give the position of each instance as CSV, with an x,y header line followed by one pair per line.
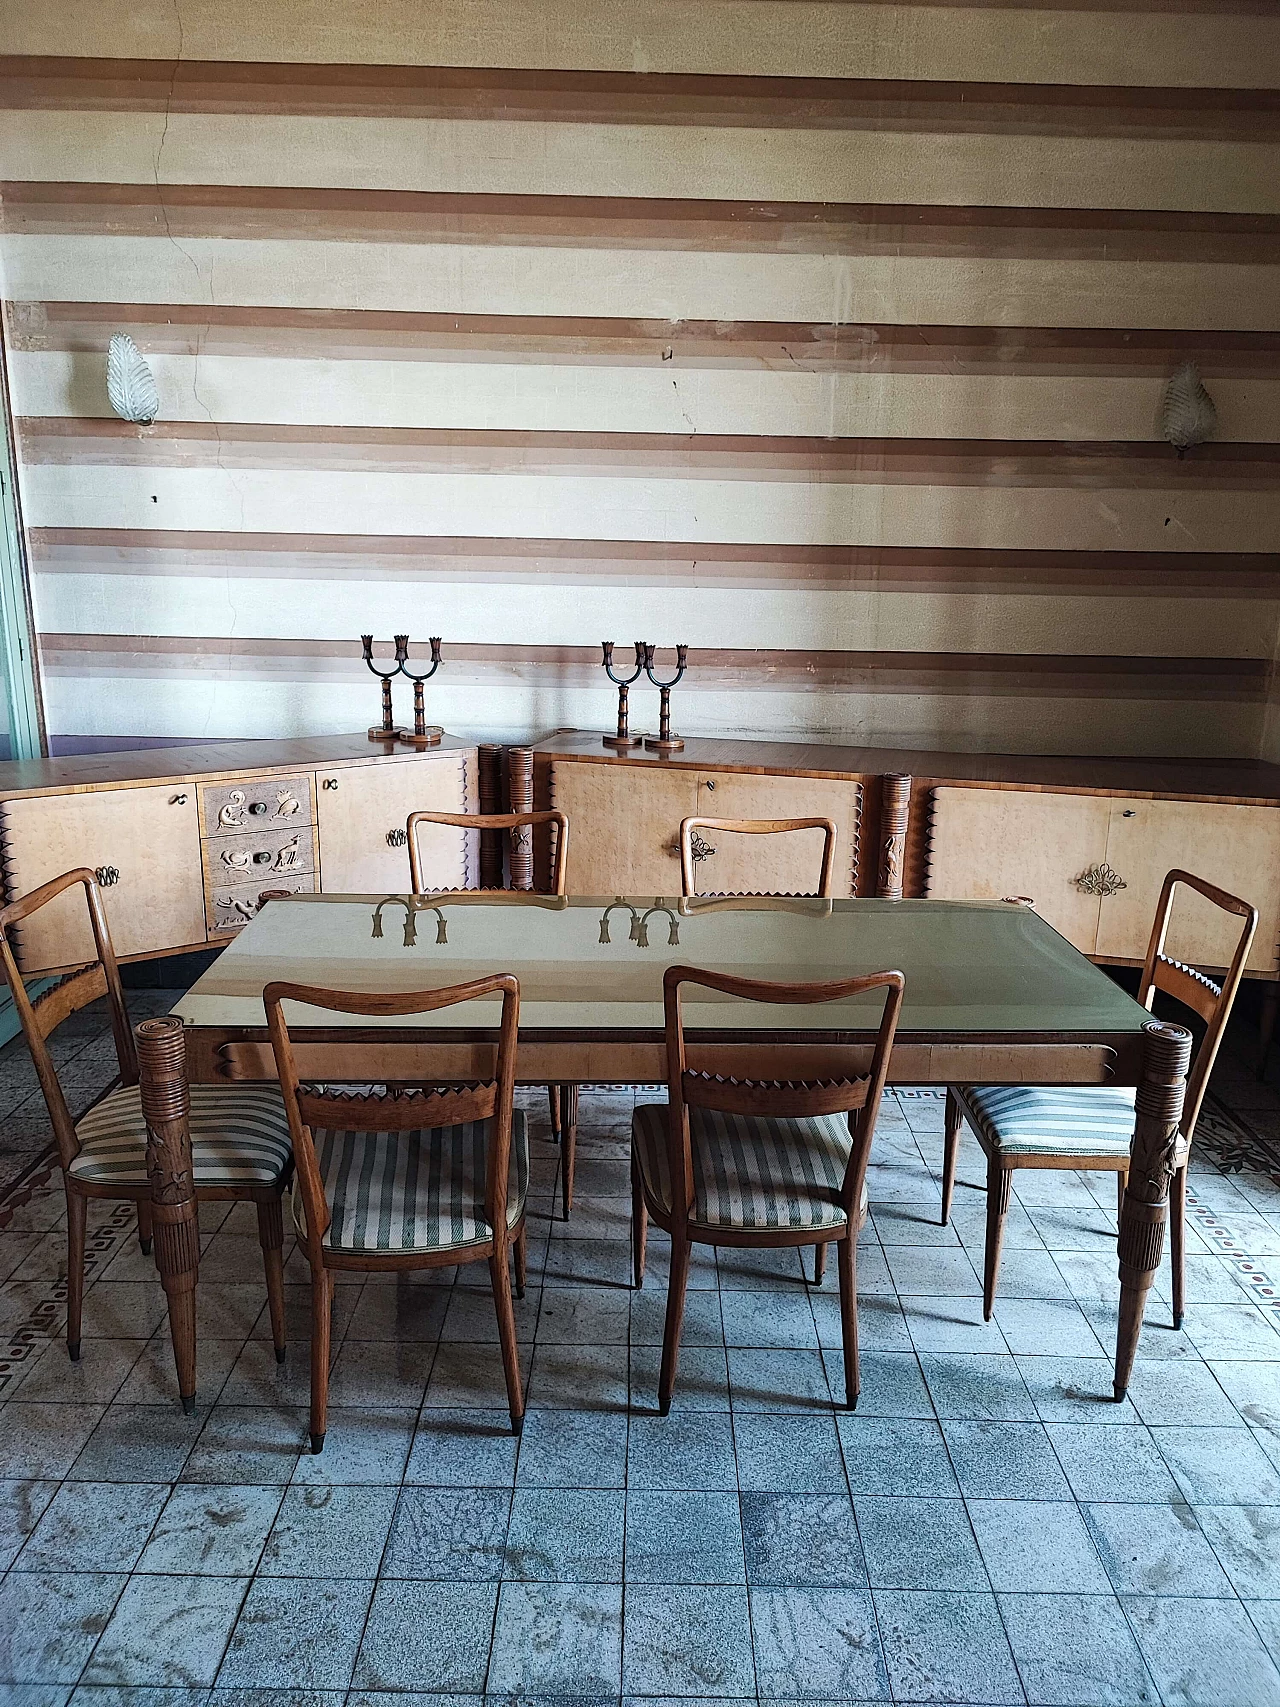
x,y
592,965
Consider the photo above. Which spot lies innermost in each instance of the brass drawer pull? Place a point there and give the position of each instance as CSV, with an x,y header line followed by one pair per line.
x,y
1100,880
178,800
107,875
329,782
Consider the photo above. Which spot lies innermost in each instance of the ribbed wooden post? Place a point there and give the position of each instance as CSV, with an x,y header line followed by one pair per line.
x,y
490,802
895,808
166,1108
1165,1055
520,792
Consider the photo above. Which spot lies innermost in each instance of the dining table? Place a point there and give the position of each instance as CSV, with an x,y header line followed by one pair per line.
x,y
994,995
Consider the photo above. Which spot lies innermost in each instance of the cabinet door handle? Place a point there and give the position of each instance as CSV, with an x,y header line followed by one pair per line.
x,y
178,800
329,782
107,875
711,785
1100,880
397,838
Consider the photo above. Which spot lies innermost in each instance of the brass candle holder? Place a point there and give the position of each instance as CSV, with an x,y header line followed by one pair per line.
x,y
422,735
623,738
386,730
664,741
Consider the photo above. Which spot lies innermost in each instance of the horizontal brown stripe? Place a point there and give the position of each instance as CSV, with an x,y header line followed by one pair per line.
x,y
815,347
637,222
1039,676
81,442
813,568
612,97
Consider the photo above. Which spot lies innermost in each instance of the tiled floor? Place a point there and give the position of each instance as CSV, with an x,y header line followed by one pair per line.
x,y
987,1528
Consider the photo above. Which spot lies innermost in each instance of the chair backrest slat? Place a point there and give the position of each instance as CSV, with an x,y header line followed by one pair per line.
x,y
395,1111
1210,1001
773,1096
757,827
514,821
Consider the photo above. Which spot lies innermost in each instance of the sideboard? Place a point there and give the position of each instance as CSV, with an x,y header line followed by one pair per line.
x,y
186,841
1086,841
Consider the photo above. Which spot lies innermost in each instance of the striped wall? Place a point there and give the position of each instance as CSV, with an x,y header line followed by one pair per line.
x,y
828,337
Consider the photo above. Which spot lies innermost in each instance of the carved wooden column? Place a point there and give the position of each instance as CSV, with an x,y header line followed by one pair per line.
x,y
1165,1055
895,808
490,802
166,1108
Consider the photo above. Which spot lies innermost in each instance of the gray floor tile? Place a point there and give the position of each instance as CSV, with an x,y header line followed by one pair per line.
x,y
1121,1463
245,1443
1219,1466
566,1535
167,1630
682,1538
579,1377
41,1442
97,1378
914,1543
1046,1328
1246,1539
801,1540
297,1633
1181,1393
406,1313
1203,1653
702,1379
462,1449
702,1321
997,1460
962,1385
384,1372
427,1636
21,1504
745,1270
946,1647
781,1320
1254,1390
881,1323
777,1380
788,1454
557,1638
694,1451
817,1642
896,1455
1156,1549
94,1526
211,1531
363,1447
577,1449
138,1443
693,1643
892,1386
1037,1547
583,1315
449,1534
951,1325
469,1377
1074,1389
329,1532
49,1624
933,1273
1076,1650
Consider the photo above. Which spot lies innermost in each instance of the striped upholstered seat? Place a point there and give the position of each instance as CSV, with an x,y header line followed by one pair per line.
x,y
1052,1120
415,1190
750,1170
239,1137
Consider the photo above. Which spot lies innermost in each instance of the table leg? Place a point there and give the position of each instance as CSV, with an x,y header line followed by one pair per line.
x,y
1165,1055
166,1107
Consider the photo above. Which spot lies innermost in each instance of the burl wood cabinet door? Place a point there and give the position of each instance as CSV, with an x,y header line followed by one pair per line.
x,y
624,826
1236,847
144,843
989,843
362,811
788,864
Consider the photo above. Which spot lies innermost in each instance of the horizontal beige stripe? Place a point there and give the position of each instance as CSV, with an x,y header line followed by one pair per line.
x,y
86,443
784,38
494,157
659,399
468,92
779,512
626,222
363,558
705,614
758,669
367,335
664,284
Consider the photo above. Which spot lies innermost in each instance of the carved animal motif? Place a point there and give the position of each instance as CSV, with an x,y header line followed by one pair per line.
x,y
287,856
238,857
231,816
288,804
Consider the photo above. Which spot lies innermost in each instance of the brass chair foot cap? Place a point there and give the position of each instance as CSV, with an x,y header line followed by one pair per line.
x,y
73,1350
188,1404
280,1353
317,1444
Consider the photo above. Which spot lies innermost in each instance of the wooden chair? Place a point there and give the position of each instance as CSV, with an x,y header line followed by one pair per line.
x,y
407,1178
762,1163
1088,1127
562,1100
755,827
239,1133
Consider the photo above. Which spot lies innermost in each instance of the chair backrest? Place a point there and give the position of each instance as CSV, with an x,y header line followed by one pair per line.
x,y
100,977
1211,1001
417,1108
756,827
519,823
692,1086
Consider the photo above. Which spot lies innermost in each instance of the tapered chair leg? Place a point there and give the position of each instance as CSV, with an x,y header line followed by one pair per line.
x,y
568,1142
639,1226
1177,1241
521,1246
999,1180
553,1103
271,1238
77,1220
950,1152
676,1285
847,1263
501,1277
144,1226
819,1264
321,1330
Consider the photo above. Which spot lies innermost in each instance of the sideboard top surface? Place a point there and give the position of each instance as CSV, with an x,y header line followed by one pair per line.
x,y
1243,780
202,760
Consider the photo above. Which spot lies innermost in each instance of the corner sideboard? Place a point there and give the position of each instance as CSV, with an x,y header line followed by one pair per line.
x,y
186,840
